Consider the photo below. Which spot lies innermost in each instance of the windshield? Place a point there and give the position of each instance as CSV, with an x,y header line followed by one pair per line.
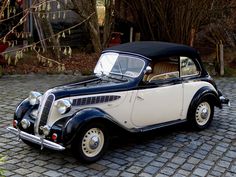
x,y
114,63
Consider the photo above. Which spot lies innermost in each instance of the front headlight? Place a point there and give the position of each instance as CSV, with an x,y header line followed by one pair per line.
x,y
34,98
63,106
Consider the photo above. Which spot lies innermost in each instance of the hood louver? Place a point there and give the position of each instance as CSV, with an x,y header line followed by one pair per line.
x,y
94,100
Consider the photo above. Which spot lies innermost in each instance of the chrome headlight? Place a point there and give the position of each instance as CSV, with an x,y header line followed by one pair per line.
x,y
63,106
34,98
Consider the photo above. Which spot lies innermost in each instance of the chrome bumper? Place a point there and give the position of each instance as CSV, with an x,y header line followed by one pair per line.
x,y
224,100
35,139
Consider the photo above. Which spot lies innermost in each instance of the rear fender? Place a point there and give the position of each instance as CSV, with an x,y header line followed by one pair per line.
x,y
208,92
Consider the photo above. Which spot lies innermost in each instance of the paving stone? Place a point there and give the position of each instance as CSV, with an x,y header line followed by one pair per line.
x,y
126,174
151,169
216,173
224,164
167,171
211,152
184,172
233,169
52,173
194,160
77,173
200,172
178,160
188,167
34,174
38,169
145,175
161,175
22,171
134,169
167,155
112,172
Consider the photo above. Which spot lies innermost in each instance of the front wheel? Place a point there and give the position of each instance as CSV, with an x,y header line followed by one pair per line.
x,y
90,143
202,115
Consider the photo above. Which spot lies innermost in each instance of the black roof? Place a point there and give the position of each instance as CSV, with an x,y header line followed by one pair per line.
x,y
155,49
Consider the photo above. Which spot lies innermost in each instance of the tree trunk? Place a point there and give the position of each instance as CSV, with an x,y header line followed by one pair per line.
x,y
109,22
84,8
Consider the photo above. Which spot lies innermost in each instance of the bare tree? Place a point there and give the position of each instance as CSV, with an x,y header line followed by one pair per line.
x,y
175,20
84,8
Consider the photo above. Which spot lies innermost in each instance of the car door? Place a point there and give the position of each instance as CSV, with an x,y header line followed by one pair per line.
x,y
160,100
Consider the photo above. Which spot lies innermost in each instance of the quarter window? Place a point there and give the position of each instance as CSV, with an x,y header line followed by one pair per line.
x,y
187,67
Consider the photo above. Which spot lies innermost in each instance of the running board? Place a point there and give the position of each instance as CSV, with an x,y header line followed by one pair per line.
x,y
157,126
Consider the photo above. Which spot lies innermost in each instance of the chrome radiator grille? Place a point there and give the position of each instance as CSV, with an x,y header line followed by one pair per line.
x,y
45,112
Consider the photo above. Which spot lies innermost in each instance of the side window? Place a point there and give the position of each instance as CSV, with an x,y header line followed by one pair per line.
x,y
164,69
187,67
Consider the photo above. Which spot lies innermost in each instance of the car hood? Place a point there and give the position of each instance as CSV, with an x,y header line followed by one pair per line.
x,y
93,85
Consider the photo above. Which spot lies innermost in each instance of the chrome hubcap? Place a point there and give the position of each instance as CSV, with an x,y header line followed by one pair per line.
x,y
203,113
92,142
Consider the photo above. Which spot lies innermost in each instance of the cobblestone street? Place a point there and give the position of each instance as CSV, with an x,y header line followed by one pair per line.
x,y
177,151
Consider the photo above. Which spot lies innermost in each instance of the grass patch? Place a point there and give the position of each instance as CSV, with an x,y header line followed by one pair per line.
x,y
2,161
230,72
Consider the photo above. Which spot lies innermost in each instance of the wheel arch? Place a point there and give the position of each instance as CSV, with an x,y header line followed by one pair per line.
x,y
83,118
204,92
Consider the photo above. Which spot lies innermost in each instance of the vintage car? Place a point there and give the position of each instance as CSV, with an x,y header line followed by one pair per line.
x,y
136,87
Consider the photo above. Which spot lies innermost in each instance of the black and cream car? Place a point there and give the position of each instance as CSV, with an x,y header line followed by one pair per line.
x,y
136,86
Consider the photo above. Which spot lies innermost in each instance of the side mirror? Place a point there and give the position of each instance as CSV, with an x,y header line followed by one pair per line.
x,y
148,70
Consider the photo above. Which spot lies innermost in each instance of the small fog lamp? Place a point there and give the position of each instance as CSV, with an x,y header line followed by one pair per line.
x,y
45,129
25,123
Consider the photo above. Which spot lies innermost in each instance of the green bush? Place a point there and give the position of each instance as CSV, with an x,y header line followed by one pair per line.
x,y
2,160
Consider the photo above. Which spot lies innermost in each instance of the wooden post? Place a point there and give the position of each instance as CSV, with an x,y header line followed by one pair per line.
x,y
26,23
131,34
222,70
192,36
137,36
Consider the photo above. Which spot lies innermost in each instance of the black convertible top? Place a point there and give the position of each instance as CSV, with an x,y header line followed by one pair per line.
x,y
155,49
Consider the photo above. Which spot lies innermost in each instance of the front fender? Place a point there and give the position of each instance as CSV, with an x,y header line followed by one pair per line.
x,y
81,118
22,108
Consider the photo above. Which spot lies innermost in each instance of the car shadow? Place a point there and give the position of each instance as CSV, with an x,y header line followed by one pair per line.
x,y
142,138
126,141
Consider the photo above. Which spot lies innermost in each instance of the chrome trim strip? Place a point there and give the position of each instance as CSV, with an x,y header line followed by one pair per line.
x,y
36,139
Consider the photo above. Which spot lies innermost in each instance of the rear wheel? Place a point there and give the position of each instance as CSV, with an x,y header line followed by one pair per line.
x,y
90,143
202,115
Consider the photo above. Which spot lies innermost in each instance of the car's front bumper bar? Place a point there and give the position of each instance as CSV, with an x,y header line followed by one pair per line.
x,y
224,100
35,139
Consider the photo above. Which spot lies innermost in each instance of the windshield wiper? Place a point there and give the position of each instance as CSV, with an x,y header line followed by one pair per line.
x,y
102,71
121,80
